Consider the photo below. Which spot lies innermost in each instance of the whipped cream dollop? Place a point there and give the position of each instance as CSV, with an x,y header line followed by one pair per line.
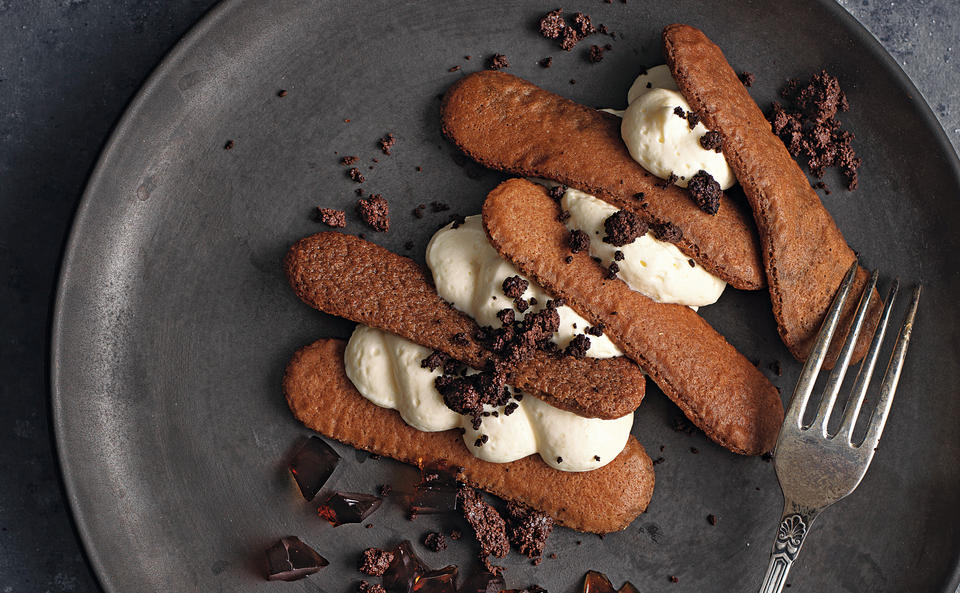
x,y
386,369
469,273
662,141
652,267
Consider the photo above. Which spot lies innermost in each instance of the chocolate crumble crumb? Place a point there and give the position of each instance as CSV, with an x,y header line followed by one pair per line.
x,y
692,119
514,287
705,192
375,211
596,330
356,175
582,25
658,460
528,529
596,458
384,490
679,112
438,207
564,216
546,62
667,231
348,160
712,141
418,211
453,68
510,408
435,541
332,217
455,534
665,183
375,561
618,255
556,192
595,54
552,24
386,143
229,145
488,526
498,62
282,93
623,227
521,304
674,579
559,459
573,81
612,270
506,316
435,361
747,78
577,347
694,450
366,587
712,519
578,241
692,263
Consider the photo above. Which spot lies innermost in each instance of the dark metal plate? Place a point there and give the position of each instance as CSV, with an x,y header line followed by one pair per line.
x,y
174,321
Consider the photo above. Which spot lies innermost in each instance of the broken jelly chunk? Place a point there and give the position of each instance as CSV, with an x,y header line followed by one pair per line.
x,y
597,582
435,493
483,582
404,571
443,580
348,507
312,466
291,560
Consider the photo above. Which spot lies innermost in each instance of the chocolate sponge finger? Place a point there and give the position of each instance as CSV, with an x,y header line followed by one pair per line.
x,y
804,253
599,501
506,123
716,387
348,277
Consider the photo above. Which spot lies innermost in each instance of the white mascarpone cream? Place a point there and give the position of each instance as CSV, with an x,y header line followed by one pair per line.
x,y
386,370
660,140
469,273
655,268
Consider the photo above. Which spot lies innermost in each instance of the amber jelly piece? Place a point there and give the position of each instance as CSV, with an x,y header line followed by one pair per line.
x,y
442,580
291,560
435,493
312,466
348,507
404,571
597,582
484,582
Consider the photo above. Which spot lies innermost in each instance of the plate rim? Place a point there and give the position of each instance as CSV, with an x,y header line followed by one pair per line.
x,y
222,10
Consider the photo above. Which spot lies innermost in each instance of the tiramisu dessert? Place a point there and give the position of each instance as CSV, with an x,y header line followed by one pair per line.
x,y
518,358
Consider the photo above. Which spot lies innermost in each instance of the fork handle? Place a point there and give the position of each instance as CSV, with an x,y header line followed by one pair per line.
x,y
794,525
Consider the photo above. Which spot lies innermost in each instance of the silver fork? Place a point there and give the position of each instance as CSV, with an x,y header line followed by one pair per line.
x,y
815,468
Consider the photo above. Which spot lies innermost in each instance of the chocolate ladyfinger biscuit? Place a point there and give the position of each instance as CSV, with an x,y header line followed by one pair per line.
x,y
506,123
348,277
600,501
804,253
715,386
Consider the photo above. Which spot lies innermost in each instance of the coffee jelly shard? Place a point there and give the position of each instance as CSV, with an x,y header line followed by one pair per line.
x,y
291,560
348,507
442,580
404,571
312,466
435,493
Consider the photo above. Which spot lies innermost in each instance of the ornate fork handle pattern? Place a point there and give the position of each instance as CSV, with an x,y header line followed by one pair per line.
x,y
794,525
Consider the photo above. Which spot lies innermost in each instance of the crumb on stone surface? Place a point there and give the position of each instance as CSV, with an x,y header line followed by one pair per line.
x,y
747,78
332,217
435,541
375,211
498,62
386,143
375,561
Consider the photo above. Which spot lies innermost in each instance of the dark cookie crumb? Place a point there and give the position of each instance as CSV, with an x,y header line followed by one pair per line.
x,y
559,459
349,160
556,192
776,368
582,25
809,128
435,361
612,270
623,227
375,561
366,587
712,519
577,347
498,62
356,175
692,263
332,217
546,62
384,490
386,143
665,183
674,579
514,287
596,330
667,231
658,460
552,24
768,457
747,78
521,304
679,112
488,526
564,216
618,255
510,408
568,259
418,211
453,68
435,541
282,93
506,316
595,55
455,534
694,450
712,141
375,211
438,207
705,191
529,529
578,241
228,145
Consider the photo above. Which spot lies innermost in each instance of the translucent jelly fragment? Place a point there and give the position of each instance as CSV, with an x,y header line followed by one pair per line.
x,y
312,466
404,570
348,507
443,580
627,588
596,582
290,560
435,493
483,582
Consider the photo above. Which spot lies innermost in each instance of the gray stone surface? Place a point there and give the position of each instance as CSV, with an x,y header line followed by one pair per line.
x,y
67,70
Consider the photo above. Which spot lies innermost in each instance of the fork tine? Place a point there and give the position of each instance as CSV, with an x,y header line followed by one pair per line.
x,y
859,391
811,368
843,361
892,376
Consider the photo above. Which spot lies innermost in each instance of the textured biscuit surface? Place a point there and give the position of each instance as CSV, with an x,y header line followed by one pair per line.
x,y
715,386
506,123
600,501
349,277
805,255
